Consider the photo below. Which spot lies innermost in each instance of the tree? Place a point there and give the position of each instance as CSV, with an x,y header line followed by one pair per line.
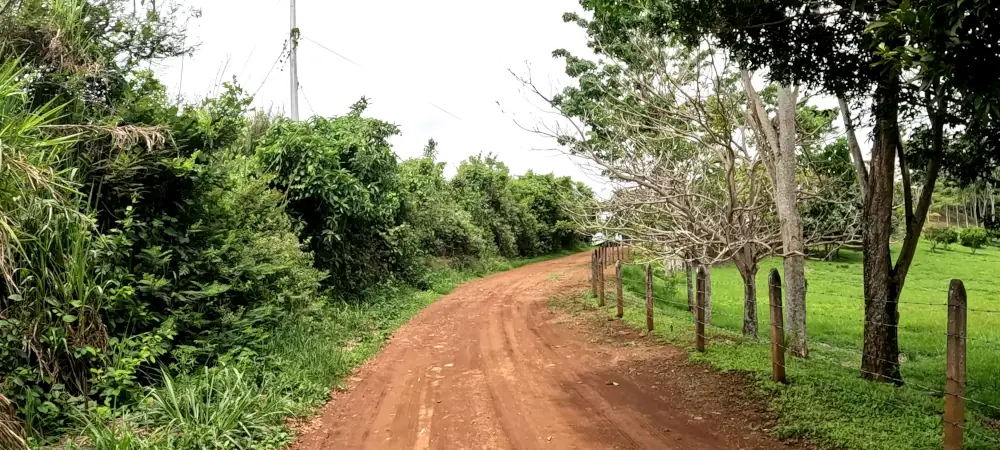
x,y
777,144
829,199
430,150
665,124
483,186
620,30
552,201
943,236
440,225
341,179
974,238
936,43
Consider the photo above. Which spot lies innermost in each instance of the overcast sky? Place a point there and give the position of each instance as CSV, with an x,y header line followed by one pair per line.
x,y
408,56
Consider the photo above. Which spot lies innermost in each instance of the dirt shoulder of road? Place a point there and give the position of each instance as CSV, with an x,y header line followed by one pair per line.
x,y
729,402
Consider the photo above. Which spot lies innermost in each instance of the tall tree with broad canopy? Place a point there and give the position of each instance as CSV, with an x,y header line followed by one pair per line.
x,y
665,124
919,59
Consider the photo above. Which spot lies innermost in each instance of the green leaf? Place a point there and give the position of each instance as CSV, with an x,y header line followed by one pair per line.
x,y
69,318
874,25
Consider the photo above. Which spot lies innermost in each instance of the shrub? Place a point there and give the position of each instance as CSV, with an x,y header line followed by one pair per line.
x,y
342,181
974,238
943,236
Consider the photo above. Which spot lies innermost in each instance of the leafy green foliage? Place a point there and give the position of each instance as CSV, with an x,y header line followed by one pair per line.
x,y
974,238
341,179
170,273
526,216
552,201
943,236
482,185
441,226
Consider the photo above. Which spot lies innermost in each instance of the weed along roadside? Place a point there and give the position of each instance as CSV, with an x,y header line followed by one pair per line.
x,y
187,263
187,271
949,397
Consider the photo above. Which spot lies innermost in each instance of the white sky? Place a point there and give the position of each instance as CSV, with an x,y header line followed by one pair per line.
x,y
408,56
453,53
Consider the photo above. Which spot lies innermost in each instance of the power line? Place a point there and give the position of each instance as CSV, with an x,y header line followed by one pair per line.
x,y
341,56
276,61
334,52
445,111
306,98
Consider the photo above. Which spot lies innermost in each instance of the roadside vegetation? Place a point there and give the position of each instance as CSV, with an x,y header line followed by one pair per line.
x,y
736,137
189,274
825,401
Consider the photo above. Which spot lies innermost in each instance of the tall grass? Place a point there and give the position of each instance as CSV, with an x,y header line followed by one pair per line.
x,y
11,433
219,408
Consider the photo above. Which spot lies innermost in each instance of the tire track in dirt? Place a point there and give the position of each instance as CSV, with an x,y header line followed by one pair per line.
x,y
490,367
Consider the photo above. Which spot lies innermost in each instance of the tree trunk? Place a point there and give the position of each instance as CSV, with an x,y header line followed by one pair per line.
x,y
791,226
965,209
750,303
880,358
975,211
779,159
856,157
690,285
746,264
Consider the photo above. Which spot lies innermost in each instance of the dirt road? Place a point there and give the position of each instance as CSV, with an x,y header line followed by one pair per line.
x,y
491,367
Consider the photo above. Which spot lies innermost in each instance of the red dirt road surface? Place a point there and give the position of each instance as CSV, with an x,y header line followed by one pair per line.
x,y
491,367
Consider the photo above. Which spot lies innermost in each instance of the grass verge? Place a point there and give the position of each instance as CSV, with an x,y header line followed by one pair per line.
x,y
826,401
245,403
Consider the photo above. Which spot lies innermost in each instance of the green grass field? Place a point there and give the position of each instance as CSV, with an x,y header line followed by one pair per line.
x,y
826,399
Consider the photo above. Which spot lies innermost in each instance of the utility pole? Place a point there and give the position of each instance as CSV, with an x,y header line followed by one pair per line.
x,y
293,63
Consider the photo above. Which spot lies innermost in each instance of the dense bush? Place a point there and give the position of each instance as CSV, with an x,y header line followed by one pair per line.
x,y
440,225
162,265
341,179
943,236
974,238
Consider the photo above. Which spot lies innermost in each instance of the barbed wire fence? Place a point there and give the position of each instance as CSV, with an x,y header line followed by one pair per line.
x,y
955,394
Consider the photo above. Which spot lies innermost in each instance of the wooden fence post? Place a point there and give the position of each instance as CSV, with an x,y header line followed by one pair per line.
x,y
600,282
649,297
954,401
777,328
618,276
593,272
699,320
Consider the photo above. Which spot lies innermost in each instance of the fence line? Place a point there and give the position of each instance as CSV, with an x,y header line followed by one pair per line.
x,y
955,394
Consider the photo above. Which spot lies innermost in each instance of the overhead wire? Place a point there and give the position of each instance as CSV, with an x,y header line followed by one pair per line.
x,y
284,48
355,63
306,98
